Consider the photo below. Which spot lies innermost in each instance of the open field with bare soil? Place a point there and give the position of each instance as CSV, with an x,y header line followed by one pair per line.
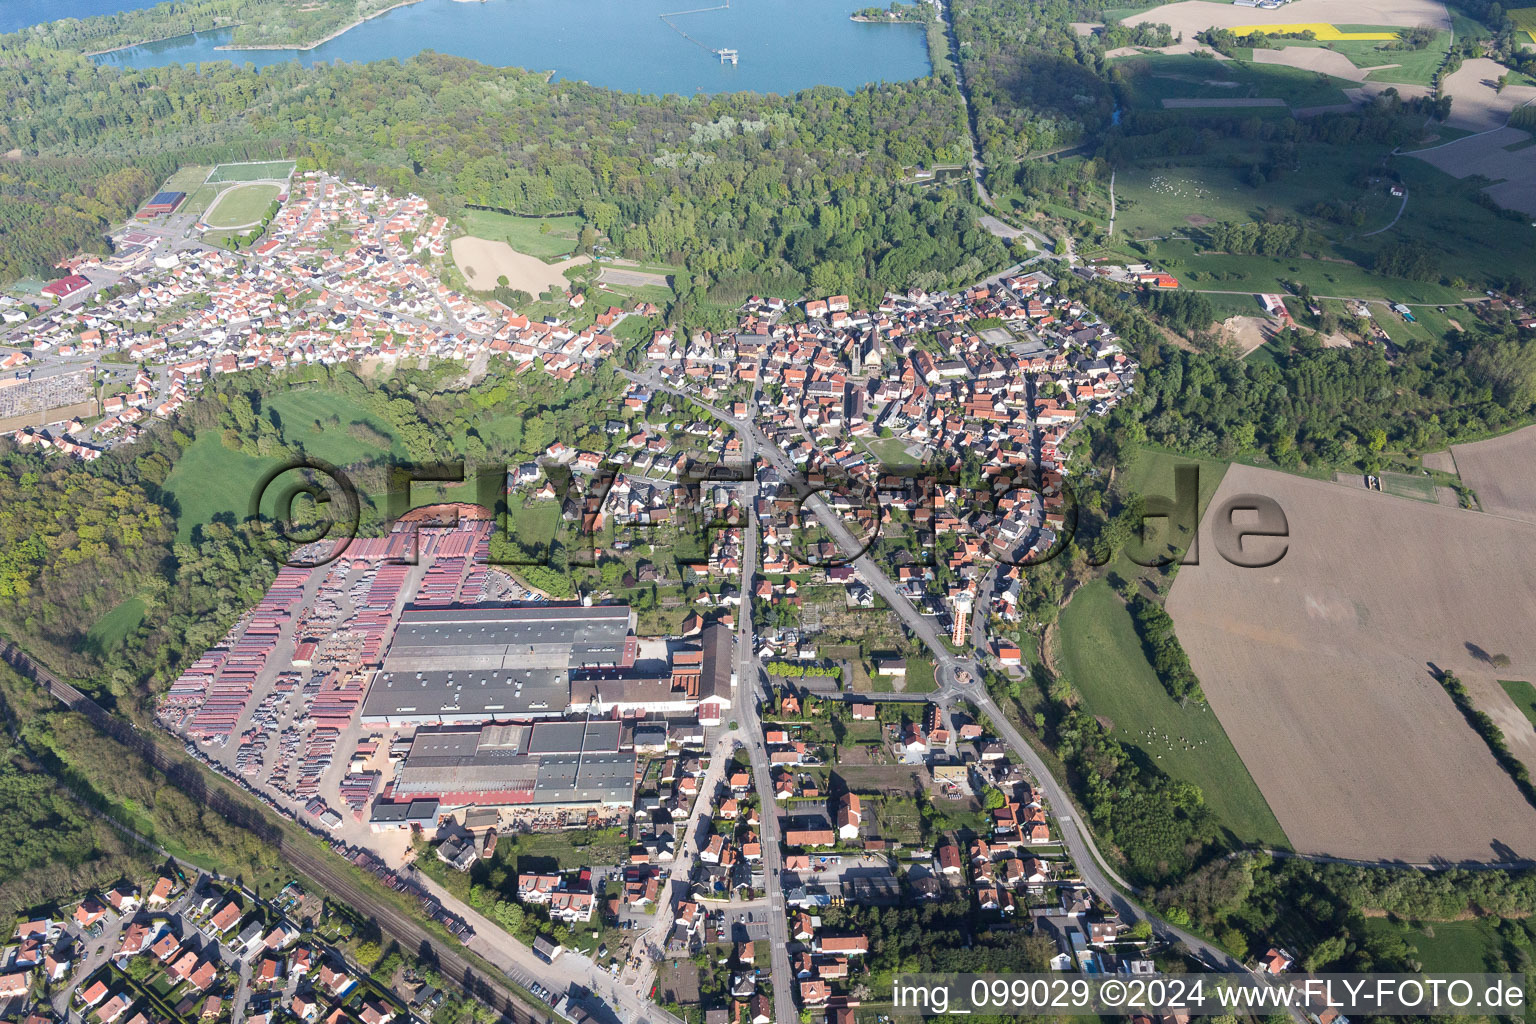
x,y
1502,471
1477,103
483,261
1191,16
1490,155
1319,668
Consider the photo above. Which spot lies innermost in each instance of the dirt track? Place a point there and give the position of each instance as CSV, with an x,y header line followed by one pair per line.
x,y
1319,668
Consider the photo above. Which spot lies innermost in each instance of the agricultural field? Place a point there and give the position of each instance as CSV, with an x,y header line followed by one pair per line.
x,y
1171,202
1158,81
270,170
1191,16
544,237
1365,59
1320,668
1152,474
1502,472
1523,695
212,481
242,206
1102,655
1525,21
320,421
485,262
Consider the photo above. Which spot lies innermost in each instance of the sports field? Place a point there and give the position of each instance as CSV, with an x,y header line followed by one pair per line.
x,y
242,206
271,170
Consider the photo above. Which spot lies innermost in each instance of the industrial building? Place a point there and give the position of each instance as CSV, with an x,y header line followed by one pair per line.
x,y
479,663
699,682
553,764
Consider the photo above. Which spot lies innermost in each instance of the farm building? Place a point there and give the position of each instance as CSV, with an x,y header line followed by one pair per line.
x,y
66,288
161,204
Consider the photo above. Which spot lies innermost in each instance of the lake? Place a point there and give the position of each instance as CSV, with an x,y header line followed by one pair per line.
x,y
18,14
784,45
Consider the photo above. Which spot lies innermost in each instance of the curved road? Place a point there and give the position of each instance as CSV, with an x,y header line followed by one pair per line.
x,y
960,676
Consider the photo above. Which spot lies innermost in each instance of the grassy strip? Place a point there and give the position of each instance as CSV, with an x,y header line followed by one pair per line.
x,y
1491,734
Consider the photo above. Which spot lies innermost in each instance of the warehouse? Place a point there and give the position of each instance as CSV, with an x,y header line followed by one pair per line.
x,y
549,764
501,636
480,663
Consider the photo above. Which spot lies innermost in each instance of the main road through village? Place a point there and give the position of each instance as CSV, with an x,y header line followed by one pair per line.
x,y
960,677
627,1000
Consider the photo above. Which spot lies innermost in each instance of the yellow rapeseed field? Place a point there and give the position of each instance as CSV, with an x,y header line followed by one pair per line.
x,y
1321,29
1525,21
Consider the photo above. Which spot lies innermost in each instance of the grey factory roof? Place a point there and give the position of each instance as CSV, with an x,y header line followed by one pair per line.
x,y
525,624
459,760
418,811
504,636
468,694
715,674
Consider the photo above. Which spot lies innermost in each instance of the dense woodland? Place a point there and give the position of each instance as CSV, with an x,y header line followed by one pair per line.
x,y
1319,911
259,23
807,190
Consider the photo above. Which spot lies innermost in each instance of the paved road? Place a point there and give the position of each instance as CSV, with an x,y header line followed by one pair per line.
x,y
960,676
746,702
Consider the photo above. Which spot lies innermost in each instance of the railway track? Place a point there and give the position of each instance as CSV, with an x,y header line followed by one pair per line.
x,y
320,867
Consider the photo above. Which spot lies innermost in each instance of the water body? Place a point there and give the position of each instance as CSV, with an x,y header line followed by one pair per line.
x,y
18,14
784,45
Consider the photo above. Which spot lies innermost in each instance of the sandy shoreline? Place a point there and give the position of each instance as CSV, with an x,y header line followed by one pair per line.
x,y
229,47
319,42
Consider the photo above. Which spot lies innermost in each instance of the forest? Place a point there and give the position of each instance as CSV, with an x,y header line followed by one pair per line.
x,y
1320,912
806,190
1338,407
258,23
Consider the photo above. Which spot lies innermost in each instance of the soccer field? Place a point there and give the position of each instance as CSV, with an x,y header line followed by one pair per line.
x,y
241,206
271,170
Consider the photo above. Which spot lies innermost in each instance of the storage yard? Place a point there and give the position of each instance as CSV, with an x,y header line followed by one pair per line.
x,y
367,696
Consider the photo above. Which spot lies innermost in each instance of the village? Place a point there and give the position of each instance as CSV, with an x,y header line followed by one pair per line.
x,y
692,807
190,947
